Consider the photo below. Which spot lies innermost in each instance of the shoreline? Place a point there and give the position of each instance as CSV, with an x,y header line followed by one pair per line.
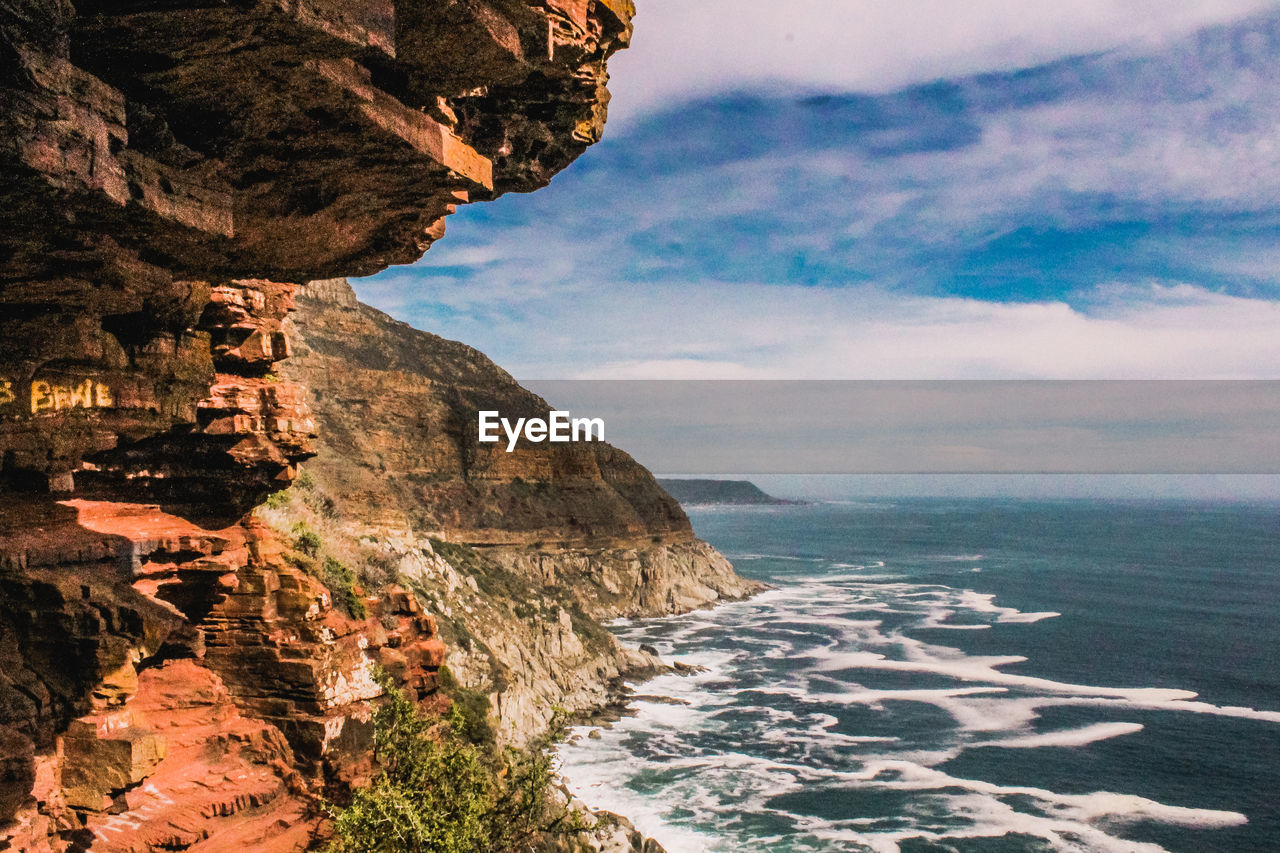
x,y
713,767
622,694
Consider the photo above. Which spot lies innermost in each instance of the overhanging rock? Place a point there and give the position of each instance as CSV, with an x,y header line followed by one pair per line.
x,y
161,160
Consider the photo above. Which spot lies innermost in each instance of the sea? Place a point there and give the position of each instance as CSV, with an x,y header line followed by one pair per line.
x,y
963,674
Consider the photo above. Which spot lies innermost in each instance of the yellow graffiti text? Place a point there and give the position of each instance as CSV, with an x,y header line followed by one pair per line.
x,y
6,392
47,397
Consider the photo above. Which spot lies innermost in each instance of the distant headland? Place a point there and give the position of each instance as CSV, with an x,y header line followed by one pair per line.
x,y
696,492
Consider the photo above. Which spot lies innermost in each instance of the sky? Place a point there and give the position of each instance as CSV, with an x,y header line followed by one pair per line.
x,y
916,189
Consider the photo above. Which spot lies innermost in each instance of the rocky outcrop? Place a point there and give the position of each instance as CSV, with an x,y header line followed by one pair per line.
x,y
712,492
166,169
522,555
163,681
398,411
162,160
208,769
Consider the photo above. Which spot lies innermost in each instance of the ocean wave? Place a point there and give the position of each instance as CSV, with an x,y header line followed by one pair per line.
x,y
773,716
1066,737
723,786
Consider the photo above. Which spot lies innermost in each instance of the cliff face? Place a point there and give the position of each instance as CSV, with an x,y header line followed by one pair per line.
x,y
520,554
399,408
174,676
164,682
164,162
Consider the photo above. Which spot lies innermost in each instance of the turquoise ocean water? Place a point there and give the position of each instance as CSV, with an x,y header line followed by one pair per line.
x,y
965,675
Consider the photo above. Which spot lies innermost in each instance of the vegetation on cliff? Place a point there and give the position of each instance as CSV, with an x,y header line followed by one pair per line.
x,y
440,791
496,621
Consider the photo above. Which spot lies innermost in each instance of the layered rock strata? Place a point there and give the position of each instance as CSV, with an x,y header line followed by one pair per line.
x,y
161,159
164,682
522,555
170,679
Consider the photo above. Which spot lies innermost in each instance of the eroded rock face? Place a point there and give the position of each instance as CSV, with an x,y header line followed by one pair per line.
x,y
166,169
163,161
398,410
522,555
190,681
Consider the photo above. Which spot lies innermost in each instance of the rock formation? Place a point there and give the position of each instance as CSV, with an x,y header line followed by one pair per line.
x,y
713,492
166,169
521,554
178,672
165,162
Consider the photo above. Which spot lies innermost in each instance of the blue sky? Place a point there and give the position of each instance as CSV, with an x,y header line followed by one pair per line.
x,y
923,189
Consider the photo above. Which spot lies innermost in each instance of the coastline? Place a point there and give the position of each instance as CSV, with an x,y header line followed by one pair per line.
x,y
897,684
624,692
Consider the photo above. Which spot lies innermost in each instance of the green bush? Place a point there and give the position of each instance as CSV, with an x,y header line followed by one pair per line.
x,y
439,793
278,500
303,562
341,582
305,539
472,708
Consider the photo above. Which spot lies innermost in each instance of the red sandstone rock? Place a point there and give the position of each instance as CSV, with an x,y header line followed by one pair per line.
x,y
210,687
166,681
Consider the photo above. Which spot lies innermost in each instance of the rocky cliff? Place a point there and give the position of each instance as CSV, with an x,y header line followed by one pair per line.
x,y
710,492
166,163
173,676
178,671
520,555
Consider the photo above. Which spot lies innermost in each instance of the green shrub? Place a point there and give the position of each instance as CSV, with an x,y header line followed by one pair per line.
x,y
472,715
305,539
303,562
439,793
341,582
278,500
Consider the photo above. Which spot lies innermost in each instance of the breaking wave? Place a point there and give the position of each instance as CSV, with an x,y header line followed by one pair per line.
x,y
829,715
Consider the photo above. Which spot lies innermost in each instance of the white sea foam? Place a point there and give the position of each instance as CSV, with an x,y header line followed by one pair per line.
x,y
985,603
1067,737
830,629
937,618
731,783
875,564
593,773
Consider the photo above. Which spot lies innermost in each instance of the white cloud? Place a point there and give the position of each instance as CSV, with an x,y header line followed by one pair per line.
x,y
690,47
658,265
844,335
743,331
